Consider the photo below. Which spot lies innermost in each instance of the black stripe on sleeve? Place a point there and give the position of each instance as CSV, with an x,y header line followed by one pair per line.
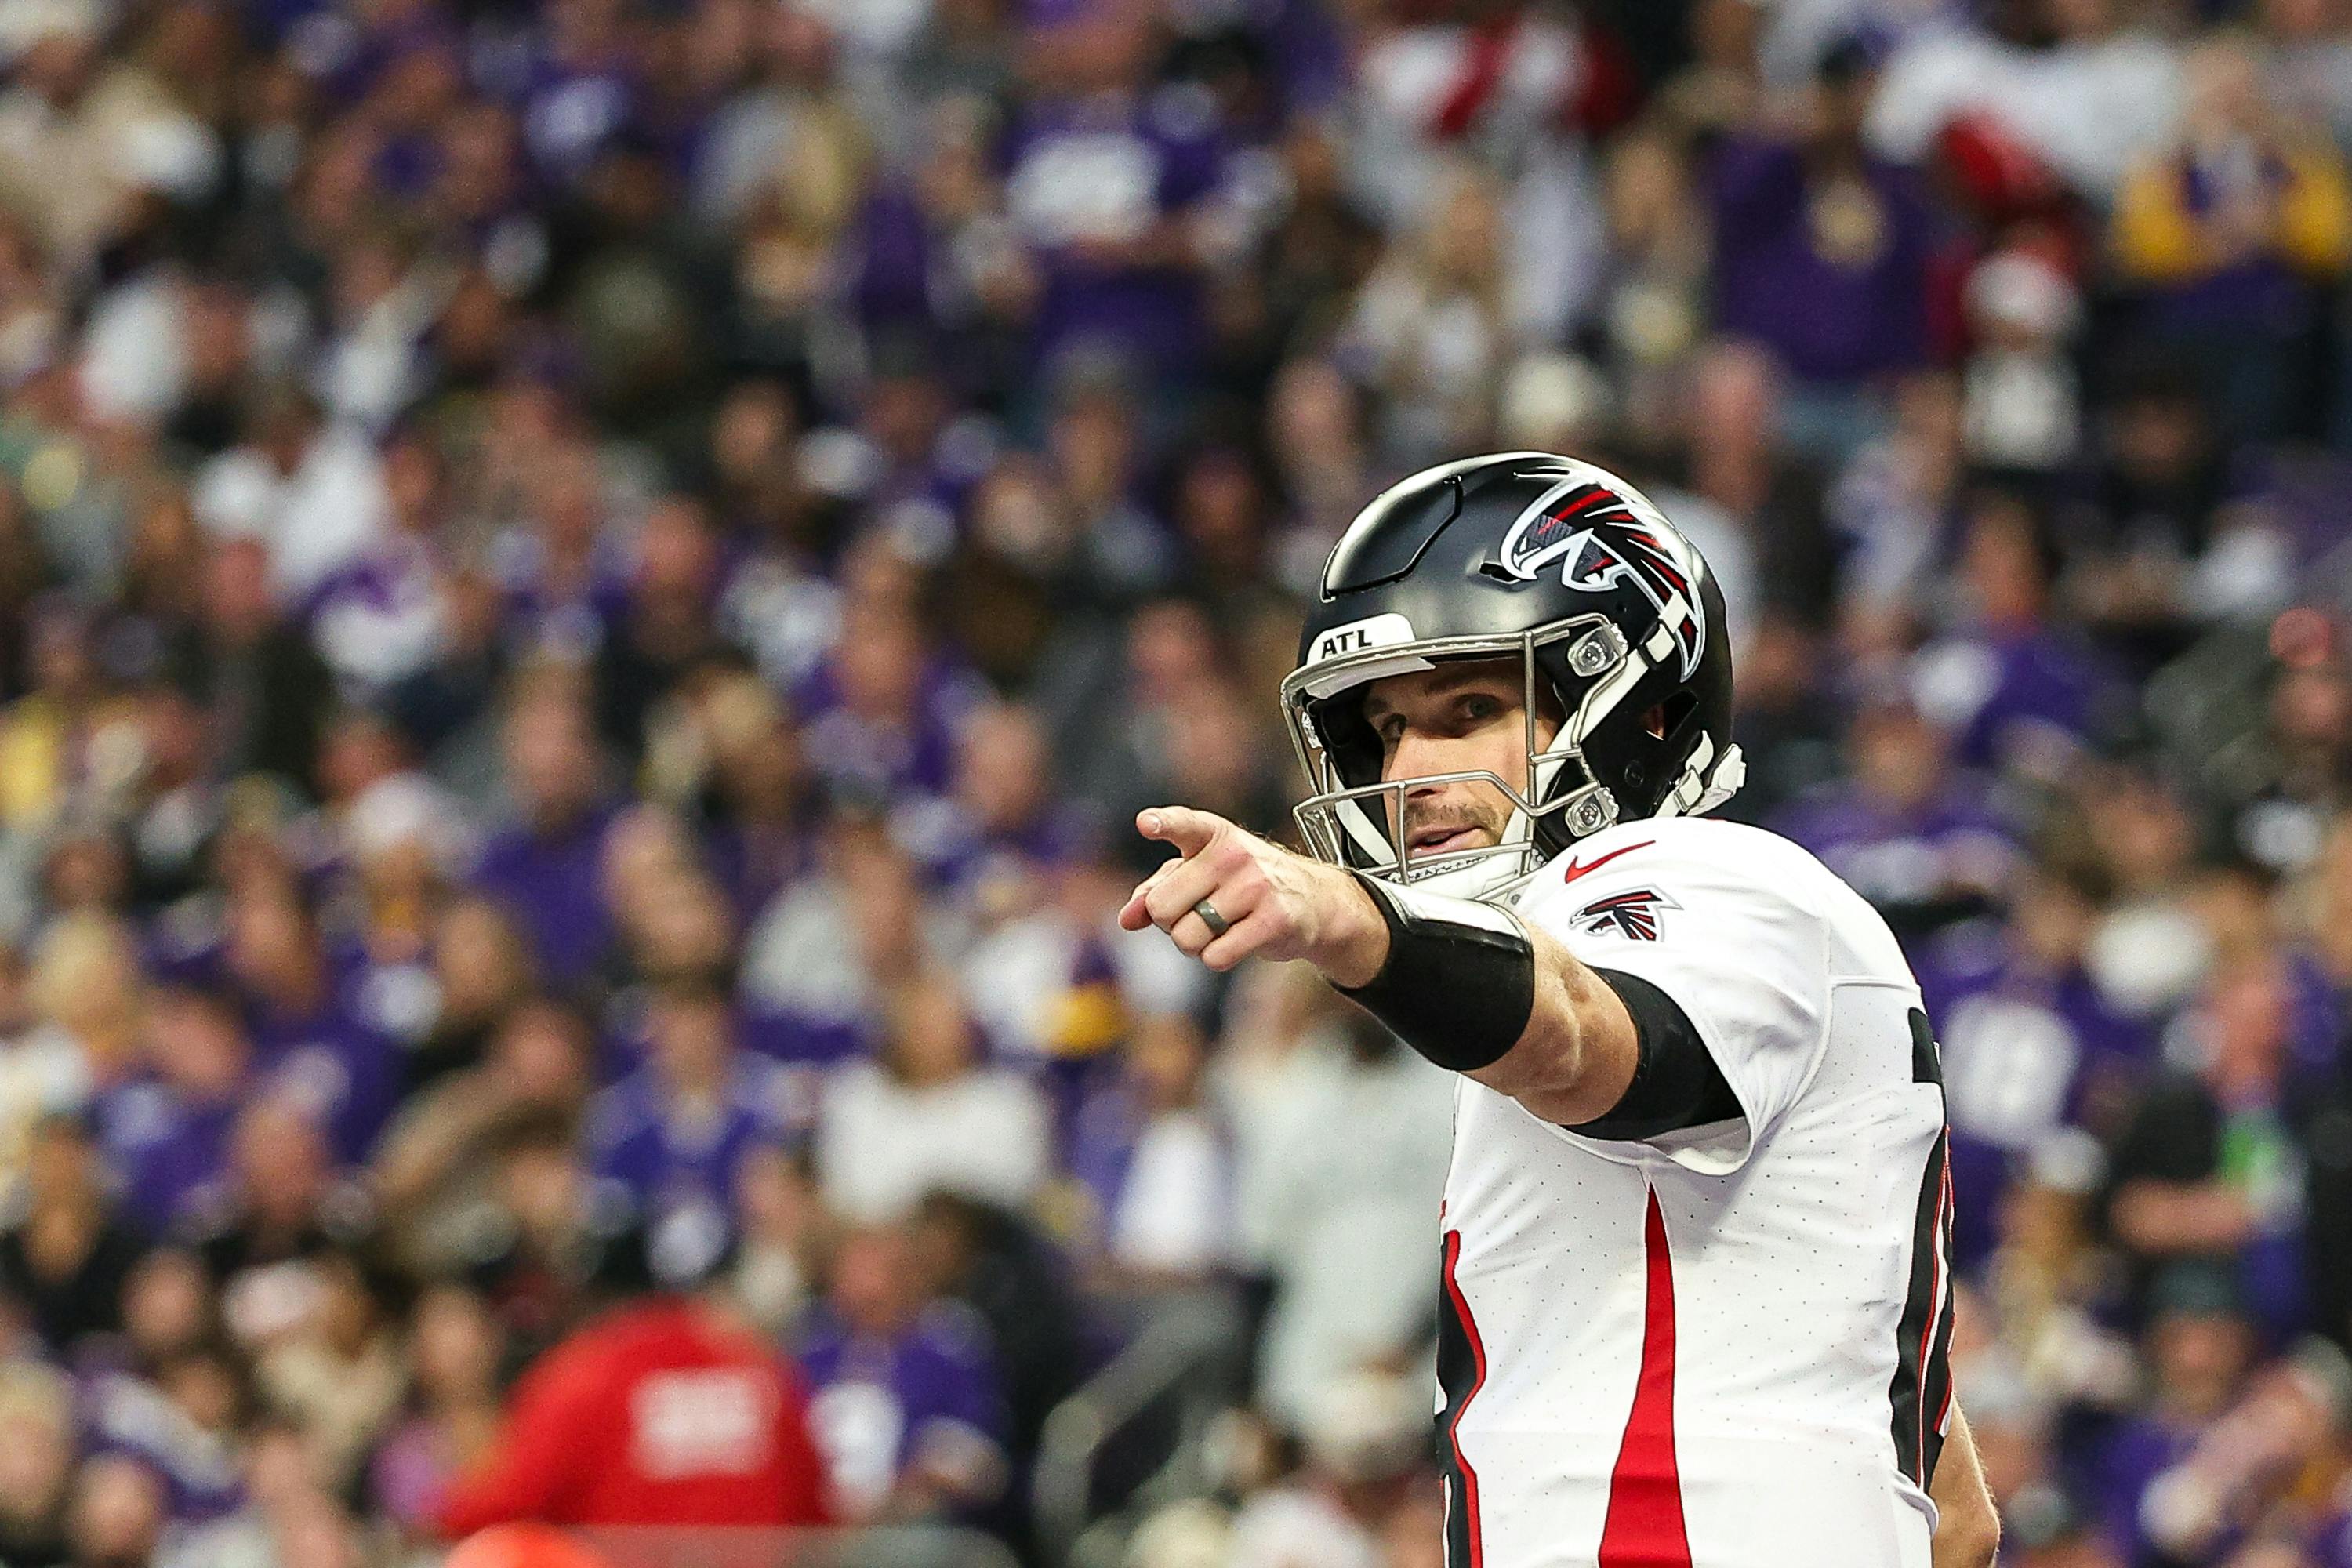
x,y
1677,1083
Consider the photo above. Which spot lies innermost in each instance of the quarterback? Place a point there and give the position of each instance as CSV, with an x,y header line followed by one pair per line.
x,y
1696,1307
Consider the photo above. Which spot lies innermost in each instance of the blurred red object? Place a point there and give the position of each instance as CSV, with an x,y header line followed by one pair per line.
x,y
664,1413
522,1546
1994,172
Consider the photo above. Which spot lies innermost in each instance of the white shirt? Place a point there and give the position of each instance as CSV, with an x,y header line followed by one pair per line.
x,y
323,515
881,1145
2090,108
134,360
1702,1348
1329,1210
1293,1527
1175,1211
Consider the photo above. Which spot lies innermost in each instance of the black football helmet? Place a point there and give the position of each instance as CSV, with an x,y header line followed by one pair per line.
x,y
1611,612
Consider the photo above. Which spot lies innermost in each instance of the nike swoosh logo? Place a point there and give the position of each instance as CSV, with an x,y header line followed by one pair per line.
x,y
1575,870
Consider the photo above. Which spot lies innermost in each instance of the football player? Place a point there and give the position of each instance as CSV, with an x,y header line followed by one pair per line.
x,y
1696,1301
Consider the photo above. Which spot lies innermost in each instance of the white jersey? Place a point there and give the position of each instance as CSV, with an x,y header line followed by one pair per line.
x,y
1721,1348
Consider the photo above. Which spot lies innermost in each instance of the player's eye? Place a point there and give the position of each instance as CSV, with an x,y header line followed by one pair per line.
x,y
1478,707
1390,729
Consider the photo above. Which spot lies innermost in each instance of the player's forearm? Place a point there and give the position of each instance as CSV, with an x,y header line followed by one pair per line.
x,y
1468,985
1562,1068
1968,1526
1477,991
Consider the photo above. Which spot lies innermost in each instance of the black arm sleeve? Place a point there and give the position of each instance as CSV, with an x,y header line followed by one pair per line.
x,y
1677,1084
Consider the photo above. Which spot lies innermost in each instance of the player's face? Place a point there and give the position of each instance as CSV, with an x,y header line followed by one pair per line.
x,y
1465,717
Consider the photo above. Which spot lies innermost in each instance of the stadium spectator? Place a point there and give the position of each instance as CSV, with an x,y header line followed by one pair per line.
x,y
36,1454
166,1131
451,1407
2206,1168
707,1425
310,1043
928,1115
905,1401
1822,252
2232,236
1316,1204
674,1134
1904,825
64,1264
1154,1160
545,867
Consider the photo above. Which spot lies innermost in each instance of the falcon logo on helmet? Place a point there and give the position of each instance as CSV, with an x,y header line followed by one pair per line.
x,y
1604,540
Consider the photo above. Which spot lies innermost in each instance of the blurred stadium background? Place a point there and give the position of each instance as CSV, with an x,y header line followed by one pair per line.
x,y
587,589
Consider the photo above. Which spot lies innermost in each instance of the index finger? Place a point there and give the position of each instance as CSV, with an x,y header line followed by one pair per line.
x,y
1189,830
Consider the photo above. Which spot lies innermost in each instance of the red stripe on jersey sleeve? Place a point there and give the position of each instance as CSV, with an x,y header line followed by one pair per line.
x,y
1644,1527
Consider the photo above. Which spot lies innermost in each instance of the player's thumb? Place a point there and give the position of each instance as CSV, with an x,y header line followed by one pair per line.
x,y
1189,831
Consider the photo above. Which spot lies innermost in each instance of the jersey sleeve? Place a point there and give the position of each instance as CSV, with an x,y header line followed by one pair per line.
x,y
1722,929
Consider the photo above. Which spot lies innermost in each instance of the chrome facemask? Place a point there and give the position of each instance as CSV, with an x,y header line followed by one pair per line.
x,y
1347,824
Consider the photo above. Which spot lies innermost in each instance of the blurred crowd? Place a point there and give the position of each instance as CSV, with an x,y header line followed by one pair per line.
x,y
589,588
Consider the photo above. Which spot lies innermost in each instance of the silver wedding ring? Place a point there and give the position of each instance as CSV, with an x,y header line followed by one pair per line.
x,y
1217,924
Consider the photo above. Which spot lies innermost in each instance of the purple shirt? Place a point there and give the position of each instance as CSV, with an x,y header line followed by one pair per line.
x,y
202,1473
2026,1053
552,884
668,1158
802,1042
1106,1126
887,759
1110,169
2331,1545
2016,697
892,257
572,624
185,942
378,619
331,1061
756,864
171,1153
1906,860
2261,291
961,856
1832,279
2140,1451
569,108
875,1401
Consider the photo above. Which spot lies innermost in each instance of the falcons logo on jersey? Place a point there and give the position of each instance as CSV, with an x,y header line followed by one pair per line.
x,y
1632,914
1604,537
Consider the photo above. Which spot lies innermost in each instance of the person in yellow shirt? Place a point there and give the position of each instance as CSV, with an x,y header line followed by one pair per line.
x,y
65,741
2231,236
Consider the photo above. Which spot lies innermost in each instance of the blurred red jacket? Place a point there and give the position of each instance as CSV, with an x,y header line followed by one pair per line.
x,y
657,1414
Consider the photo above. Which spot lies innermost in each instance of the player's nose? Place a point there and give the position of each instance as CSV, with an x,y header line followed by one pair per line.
x,y
1416,757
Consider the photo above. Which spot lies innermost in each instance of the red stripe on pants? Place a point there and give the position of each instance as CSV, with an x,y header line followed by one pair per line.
x,y
1644,1528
